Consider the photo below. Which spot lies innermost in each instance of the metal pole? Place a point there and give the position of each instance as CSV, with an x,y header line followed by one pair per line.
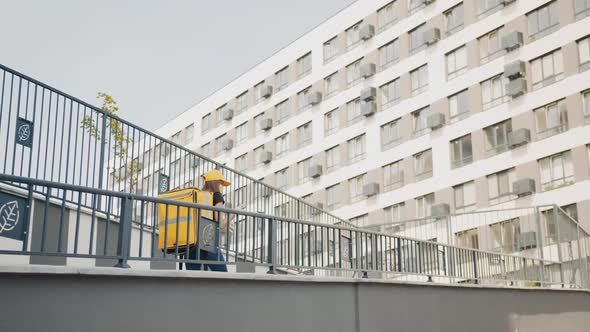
x,y
271,247
124,240
539,233
558,242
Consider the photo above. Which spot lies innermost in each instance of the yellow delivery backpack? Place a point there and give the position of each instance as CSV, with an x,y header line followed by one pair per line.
x,y
182,220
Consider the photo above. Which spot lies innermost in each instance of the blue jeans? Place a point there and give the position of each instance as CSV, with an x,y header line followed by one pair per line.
x,y
206,256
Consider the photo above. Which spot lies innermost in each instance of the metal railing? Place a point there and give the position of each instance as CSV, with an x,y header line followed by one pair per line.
x,y
543,232
49,135
276,243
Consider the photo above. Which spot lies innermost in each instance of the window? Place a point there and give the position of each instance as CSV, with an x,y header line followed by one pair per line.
x,y
331,122
424,205
356,149
461,151
419,77
305,134
282,78
389,54
497,137
331,84
419,118
332,196
241,163
390,135
490,45
282,178
353,35
282,110
219,144
206,150
360,221
242,133
390,93
304,65
394,213
584,52
423,163
282,145
547,69
493,92
258,91
464,197
543,20
500,186
386,15
219,113
242,102
556,171
551,119
456,62
302,99
303,170
355,187
586,103
505,236
332,158
353,109
582,8
393,175
459,106
330,49
468,238
454,19
415,5
258,122
206,124
353,73
188,134
487,7
417,38
258,154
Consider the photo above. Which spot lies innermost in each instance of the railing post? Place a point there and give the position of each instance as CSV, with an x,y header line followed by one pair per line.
x,y
558,242
124,240
474,254
539,233
102,156
27,219
271,247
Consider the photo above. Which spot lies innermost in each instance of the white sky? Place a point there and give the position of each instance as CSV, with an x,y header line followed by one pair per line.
x,y
156,57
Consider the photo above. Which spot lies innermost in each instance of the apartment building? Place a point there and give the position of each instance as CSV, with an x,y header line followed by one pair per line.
x,y
391,107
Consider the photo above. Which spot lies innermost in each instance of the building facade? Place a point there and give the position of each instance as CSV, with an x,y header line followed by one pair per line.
x,y
391,107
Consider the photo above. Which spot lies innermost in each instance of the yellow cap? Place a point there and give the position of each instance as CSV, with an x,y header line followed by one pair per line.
x,y
215,174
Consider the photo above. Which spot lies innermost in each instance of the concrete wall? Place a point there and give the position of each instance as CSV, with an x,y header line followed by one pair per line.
x,y
67,299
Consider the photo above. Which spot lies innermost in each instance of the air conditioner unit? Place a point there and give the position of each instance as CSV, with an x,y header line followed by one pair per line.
x,y
440,210
319,207
367,32
265,191
315,171
523,187
371,189
515,70
227,144
228,114
516,87
265,157
431,36
368,108
368,94
519,137
435,121
266,124
526,240
512,41
368,70
266,91
314,98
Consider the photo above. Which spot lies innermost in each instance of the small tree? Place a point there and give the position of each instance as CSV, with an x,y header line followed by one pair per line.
x,y
119,138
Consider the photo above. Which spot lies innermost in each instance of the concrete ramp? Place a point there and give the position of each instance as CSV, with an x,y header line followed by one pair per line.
x,y
64,299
